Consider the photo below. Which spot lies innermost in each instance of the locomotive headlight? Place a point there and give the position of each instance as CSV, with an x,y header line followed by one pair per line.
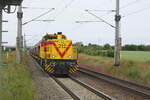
x,y
53,56
70,56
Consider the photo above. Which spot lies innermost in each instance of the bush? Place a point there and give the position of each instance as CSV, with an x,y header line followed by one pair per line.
x,y
133,74
96,50
110,53
147,76
130,63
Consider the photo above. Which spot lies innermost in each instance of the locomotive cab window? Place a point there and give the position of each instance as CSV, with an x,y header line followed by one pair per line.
x,y
50,38
63,37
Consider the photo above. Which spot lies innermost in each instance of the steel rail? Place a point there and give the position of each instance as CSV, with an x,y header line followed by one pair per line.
x,y
73,95
118,79
98,76
97,92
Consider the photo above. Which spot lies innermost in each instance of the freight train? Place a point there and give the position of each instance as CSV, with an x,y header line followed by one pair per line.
x,y
56,54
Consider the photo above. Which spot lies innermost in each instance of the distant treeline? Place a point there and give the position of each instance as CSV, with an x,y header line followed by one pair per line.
x,y
133,47
107,49
96,50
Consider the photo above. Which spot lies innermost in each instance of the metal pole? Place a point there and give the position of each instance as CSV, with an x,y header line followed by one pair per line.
x,y
25,48
1,14
117,35
19,39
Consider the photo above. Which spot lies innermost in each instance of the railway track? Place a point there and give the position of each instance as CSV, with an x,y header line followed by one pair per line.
x,y
94,94
79,90
132,88
135,88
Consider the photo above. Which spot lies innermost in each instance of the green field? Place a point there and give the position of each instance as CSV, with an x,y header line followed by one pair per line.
x,y
138,56
131,56
15,80
135,65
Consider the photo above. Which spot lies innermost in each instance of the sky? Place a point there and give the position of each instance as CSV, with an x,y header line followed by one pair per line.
x,y
135,24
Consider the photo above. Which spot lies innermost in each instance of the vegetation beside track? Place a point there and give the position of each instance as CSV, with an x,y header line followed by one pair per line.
x,y
107,50
15,80
136,56
137,70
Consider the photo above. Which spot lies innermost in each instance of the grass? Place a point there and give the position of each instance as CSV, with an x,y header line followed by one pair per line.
x,y
137,56
137,70
15,81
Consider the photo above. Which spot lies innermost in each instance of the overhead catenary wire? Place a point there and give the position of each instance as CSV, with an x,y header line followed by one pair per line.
x,y
138,11
100,19
62,10
25,7
66,6
129,4
33,39
125,6
44,20
64,2
45,13
101,10
86,21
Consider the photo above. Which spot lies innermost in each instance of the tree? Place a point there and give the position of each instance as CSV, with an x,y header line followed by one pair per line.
x,y
107,46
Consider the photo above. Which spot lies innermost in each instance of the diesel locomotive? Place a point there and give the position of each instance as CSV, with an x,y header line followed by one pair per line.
x,y
56,54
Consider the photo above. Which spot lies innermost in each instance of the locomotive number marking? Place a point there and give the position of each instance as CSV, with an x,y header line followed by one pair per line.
x,y
61,45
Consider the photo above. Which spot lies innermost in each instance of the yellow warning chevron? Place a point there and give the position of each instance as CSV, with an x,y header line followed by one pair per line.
x,y
48,69
77,68
71,70
51,69
46,66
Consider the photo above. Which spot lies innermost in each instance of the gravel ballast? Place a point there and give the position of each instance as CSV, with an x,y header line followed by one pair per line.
x,y
79,90
111,90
